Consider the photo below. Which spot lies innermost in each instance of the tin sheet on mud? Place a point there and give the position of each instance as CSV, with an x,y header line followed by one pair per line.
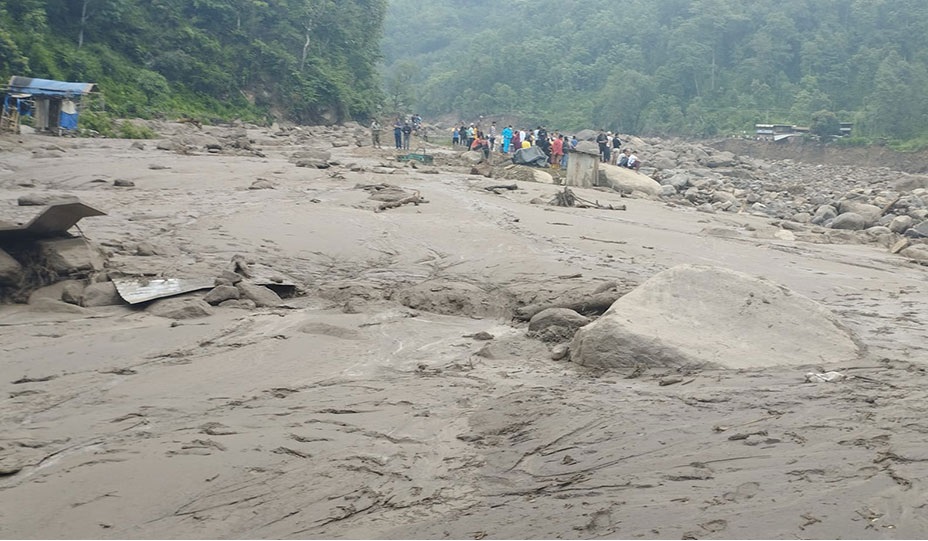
x,y
136,290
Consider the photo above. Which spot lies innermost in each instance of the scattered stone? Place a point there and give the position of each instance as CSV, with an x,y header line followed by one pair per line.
x,y
73,292
180,308
244,304
123,183
560,352
262,296
100,294
851,221
145,249
918,253
261,184
11,272
65,256
919,231
222,293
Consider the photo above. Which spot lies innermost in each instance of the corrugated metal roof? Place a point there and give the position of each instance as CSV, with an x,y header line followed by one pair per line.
x,y
136,290
48,87
53,221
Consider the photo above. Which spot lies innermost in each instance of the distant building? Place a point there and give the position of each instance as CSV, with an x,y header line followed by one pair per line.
x,y
779,132
54,105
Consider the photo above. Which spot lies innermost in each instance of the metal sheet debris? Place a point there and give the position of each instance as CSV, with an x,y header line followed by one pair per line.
x,y
137,290
55,220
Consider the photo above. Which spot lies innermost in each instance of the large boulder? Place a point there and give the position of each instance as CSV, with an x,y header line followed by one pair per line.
x,y
701,315
11,272
627,180
65,256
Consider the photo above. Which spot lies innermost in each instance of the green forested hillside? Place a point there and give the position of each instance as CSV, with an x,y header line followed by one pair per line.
x,y
303,60
688,67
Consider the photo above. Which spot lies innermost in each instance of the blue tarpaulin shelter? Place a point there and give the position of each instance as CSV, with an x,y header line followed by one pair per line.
x,y
55,102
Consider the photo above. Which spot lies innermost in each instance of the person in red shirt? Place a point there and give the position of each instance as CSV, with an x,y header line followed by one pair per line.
x,y
557,151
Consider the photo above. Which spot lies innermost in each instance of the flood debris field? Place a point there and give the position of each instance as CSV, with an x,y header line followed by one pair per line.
x,y
391,348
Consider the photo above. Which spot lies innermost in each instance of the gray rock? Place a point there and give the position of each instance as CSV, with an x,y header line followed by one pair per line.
x,y
918,231
180,308
244,304
851,221
667,190
73,292
221,294
563,317
918,252
11,272
100,294
261,295
123,183
71,255
701,315
871,213
824,214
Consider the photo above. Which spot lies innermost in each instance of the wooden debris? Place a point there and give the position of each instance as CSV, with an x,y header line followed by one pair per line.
x,y
568,198
495,189
415,199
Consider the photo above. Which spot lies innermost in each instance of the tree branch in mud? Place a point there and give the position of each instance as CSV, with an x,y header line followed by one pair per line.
x,y
415,199
568,198
595,304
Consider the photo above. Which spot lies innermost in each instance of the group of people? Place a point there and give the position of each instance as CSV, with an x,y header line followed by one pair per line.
x,y
555,146
610,151
402,131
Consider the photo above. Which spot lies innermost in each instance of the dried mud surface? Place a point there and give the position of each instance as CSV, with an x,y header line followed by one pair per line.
x,y
398,397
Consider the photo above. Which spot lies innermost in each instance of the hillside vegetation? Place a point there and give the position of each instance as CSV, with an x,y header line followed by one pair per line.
x,y
301,60
673,67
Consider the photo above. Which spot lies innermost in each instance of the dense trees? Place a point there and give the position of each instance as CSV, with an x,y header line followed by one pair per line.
x,y
305,60
689,67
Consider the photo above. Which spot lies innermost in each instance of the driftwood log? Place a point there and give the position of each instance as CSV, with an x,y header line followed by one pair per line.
x,y
501,187
591,305
414,199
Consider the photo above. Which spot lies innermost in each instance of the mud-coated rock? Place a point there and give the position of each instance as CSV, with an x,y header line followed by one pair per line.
x,y
100,294
11,272
262,296
701,315
180,308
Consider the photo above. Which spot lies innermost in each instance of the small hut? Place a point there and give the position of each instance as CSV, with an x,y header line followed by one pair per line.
x,y
53,104
583,165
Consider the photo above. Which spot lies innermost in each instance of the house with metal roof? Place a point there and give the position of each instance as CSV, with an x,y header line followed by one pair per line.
x,y
53,105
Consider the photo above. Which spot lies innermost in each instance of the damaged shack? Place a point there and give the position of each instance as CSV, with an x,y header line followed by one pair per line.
x,y
42,252
53,105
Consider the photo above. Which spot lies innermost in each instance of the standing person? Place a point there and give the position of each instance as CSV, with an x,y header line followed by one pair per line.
x,y
557,152
602,141
491,137
471,135
516,141
376,128
455,137
507,138
407,134
398,133
616,144
567,148
481,144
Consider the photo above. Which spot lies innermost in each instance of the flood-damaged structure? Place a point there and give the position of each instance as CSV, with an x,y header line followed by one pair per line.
x,y
53,105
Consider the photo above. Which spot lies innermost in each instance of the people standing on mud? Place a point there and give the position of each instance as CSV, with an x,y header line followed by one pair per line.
x,y
616,144
407,134
398,133
376,128
507,139
455,137
557,152
602,140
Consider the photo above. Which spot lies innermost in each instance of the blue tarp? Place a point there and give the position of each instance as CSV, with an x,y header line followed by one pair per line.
x,y
47,87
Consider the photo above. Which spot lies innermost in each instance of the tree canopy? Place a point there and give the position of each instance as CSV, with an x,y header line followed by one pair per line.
x,y
302,60
673,67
